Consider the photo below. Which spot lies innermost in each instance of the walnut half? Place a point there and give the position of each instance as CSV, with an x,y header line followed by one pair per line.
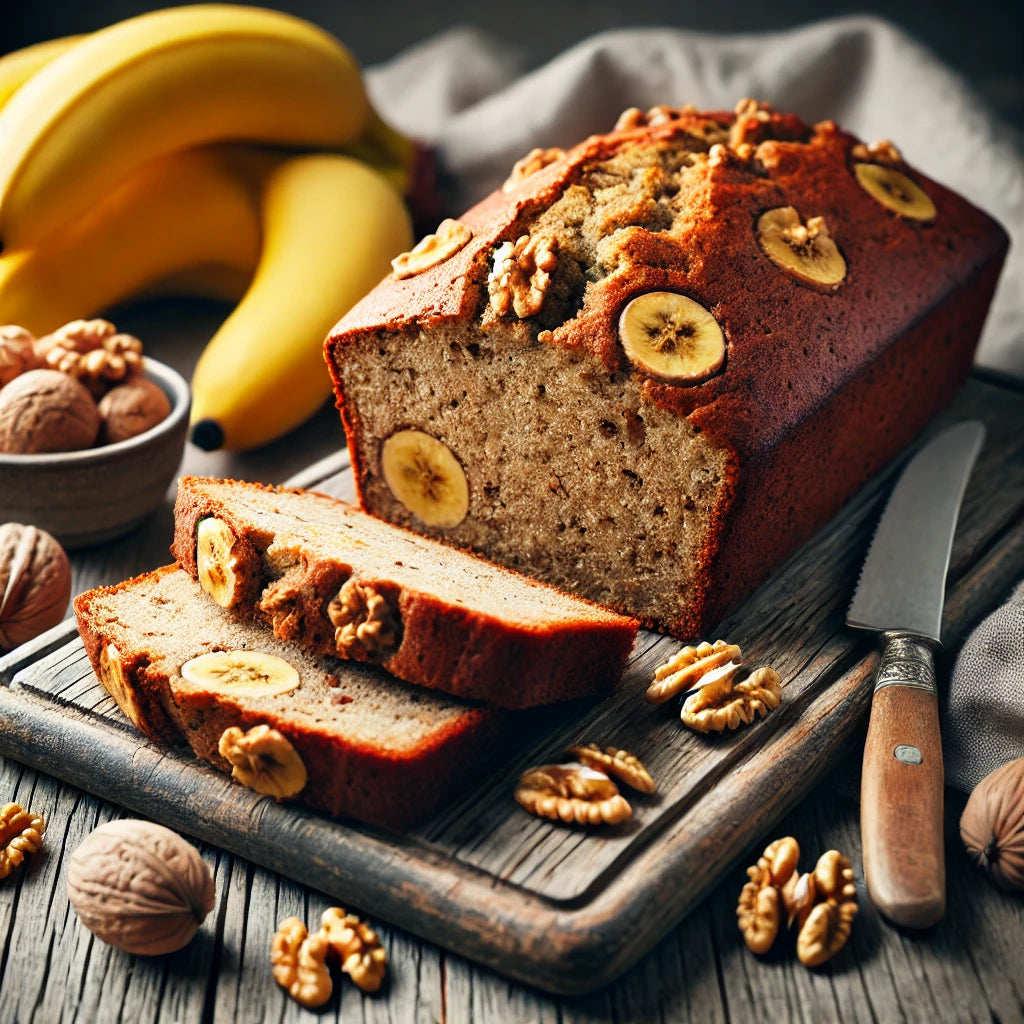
x,y
730,697
366,626
759,910
521,275
572,793
263,760
299,963
21,833
355,945
825,924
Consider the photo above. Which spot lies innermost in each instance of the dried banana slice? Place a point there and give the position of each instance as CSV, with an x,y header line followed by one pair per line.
x,y
671,337
895,191
426,477
241,673
804,250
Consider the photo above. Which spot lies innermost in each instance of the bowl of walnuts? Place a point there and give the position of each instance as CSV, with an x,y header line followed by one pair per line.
x,y
91,430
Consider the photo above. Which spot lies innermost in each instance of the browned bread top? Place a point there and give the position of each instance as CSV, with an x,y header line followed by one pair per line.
x,y
373,746
455,622
671,201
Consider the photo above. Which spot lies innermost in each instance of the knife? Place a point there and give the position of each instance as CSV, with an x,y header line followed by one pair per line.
x,y
900,595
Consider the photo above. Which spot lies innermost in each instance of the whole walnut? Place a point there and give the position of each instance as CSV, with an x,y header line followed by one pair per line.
x,y
17,353
46,411
992,825
35,583
131,409
140,887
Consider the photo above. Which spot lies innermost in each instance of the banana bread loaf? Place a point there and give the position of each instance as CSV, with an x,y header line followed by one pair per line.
x,y
342,583
648,368
346,738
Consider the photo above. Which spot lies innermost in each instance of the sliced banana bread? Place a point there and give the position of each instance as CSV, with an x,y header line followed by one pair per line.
x,y
649,367
341,737
339,582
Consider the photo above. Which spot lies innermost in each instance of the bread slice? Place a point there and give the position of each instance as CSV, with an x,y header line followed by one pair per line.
x,y
374,748
427,613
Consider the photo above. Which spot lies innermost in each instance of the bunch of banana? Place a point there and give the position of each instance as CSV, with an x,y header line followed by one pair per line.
x,y
215,150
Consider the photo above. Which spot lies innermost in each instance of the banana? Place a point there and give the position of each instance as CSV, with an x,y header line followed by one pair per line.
x,y
162,82
241,673
193,208
331,225
426,477
671,337
895,191
806,251
18,67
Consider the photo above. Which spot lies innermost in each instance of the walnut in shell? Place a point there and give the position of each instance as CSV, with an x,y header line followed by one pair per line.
x,y
140,887
131,409
35,583
992,825
46,411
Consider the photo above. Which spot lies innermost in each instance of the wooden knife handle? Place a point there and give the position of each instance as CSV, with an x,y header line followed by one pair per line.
x,y
902,788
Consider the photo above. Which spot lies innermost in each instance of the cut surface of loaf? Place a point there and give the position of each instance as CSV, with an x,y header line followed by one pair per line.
x,y
339,582
661,360
373,747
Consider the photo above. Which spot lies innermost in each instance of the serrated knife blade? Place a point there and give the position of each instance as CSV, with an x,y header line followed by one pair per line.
x,y
900,595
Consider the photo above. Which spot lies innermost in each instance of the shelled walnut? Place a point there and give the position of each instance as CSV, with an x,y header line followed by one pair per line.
x,y
731,697
521,275
687,667
263,760
619,764
821,904
366,627
94,351
17,353
21,834
534,161
826,919
299,963
572,793
356,947
759,911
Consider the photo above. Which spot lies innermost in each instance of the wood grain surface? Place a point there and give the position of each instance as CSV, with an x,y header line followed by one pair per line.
x,y
969,967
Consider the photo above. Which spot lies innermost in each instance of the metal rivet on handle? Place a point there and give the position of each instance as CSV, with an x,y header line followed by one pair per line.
x,y
907,754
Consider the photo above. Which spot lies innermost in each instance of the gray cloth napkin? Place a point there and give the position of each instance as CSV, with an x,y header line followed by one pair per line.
x,y
983,716
466,93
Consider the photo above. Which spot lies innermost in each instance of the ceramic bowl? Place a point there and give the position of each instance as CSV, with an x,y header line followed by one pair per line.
x,y
87,497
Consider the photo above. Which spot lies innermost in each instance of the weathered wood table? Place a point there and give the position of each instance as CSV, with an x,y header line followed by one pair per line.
x,y
970,967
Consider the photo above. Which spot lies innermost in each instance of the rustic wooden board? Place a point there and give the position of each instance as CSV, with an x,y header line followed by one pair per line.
x,y
560,908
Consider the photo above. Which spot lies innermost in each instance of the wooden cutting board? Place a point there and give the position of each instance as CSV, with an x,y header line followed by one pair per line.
x,y
559,907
